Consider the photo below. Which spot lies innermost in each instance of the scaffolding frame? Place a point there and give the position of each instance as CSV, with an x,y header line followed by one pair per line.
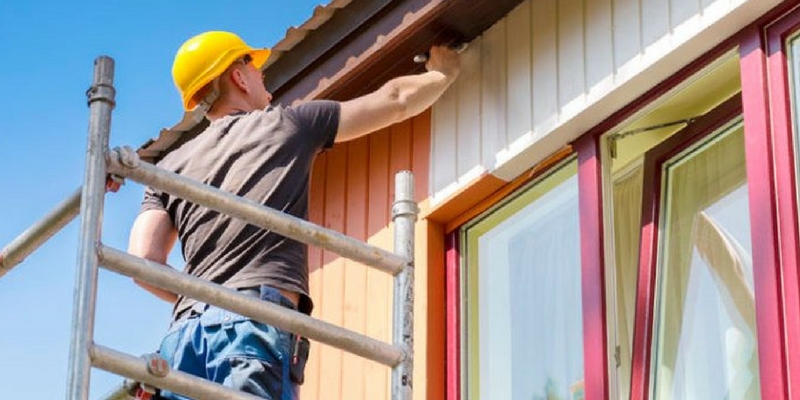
x,y
88,201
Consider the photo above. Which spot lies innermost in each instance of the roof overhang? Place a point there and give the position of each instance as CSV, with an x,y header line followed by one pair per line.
x,y
349,48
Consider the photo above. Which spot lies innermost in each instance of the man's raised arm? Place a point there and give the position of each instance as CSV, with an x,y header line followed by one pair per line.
x,y
400,98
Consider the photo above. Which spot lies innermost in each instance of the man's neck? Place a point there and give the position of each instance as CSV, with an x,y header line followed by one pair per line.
x,y
224,110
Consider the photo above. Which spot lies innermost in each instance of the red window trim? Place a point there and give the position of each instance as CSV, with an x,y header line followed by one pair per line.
x,y
648,255
771,169
590,200
785,175
453,300
763,217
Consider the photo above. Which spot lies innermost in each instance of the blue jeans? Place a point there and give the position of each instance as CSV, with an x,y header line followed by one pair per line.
x,y
233,350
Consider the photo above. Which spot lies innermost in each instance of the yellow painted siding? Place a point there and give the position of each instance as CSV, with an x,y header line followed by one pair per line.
x,y
352,188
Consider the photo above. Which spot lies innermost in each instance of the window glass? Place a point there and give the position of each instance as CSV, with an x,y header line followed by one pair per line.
x,y
523,319
705,333
794,72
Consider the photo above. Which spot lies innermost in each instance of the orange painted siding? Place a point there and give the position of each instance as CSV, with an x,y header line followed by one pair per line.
x,y
332,285
378,283
352,187
355,275
434,271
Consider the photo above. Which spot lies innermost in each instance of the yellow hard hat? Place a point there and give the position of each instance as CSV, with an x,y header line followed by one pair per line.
x,y
206,56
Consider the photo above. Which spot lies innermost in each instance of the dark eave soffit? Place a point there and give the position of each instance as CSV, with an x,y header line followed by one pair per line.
x,y
340,67
360,46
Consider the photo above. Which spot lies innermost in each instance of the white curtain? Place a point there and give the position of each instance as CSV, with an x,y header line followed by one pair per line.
x,y
530,335
705,343
627,195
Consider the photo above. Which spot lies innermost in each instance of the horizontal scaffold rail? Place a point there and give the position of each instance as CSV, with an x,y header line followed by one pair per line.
x,y
180,382
38,233
124,162
168,278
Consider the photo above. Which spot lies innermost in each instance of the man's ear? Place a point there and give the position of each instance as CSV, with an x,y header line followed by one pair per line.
x,y
238,80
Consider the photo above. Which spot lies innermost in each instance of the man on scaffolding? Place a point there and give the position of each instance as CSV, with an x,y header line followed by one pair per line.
x,y
263,153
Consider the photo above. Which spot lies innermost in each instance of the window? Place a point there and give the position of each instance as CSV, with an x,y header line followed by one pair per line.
x,y
704,343
625,171
522,313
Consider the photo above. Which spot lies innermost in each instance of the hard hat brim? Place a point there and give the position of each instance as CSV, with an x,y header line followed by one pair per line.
x,y
260,57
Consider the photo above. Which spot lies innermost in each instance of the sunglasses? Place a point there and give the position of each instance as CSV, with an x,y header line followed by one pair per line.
x,y
246,59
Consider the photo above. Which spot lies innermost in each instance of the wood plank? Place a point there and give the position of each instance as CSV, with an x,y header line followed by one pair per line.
x,y
378,283
520,96
429,256
493,93
400,155
571,58
331,365
316,206
707,3
355,312
316,213
656,13
443,165
421,155
627,34
682,11
545,65
422,349
599,49
428,367
468,116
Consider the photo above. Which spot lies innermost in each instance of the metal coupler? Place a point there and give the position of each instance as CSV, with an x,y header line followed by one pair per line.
x,y
156,366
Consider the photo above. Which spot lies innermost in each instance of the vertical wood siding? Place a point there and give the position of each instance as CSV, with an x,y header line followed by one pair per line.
x,y
552,69
352,187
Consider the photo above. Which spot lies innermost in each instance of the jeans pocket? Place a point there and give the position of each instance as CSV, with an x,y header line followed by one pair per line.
x,y
297,364
172,343
255,376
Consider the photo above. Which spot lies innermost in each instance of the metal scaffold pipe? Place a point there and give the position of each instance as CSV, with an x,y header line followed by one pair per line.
x,y
176,381
101,102
170,279
124,162
30,240
404,215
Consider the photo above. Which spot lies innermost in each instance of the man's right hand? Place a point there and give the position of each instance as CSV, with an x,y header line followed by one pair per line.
x,y
445,60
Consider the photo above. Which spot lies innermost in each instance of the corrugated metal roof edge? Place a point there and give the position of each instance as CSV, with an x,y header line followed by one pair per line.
x,y
294,35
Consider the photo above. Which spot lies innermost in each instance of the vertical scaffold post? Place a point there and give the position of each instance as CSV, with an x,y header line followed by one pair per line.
x,y
404,215
101,102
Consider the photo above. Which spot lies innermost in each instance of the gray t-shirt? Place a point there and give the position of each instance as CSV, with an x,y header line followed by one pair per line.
x,y
265,156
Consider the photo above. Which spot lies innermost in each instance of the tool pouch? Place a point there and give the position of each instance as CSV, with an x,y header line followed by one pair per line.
x,y
297,364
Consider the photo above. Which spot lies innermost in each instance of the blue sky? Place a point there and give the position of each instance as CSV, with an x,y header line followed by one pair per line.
x,y
47,49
